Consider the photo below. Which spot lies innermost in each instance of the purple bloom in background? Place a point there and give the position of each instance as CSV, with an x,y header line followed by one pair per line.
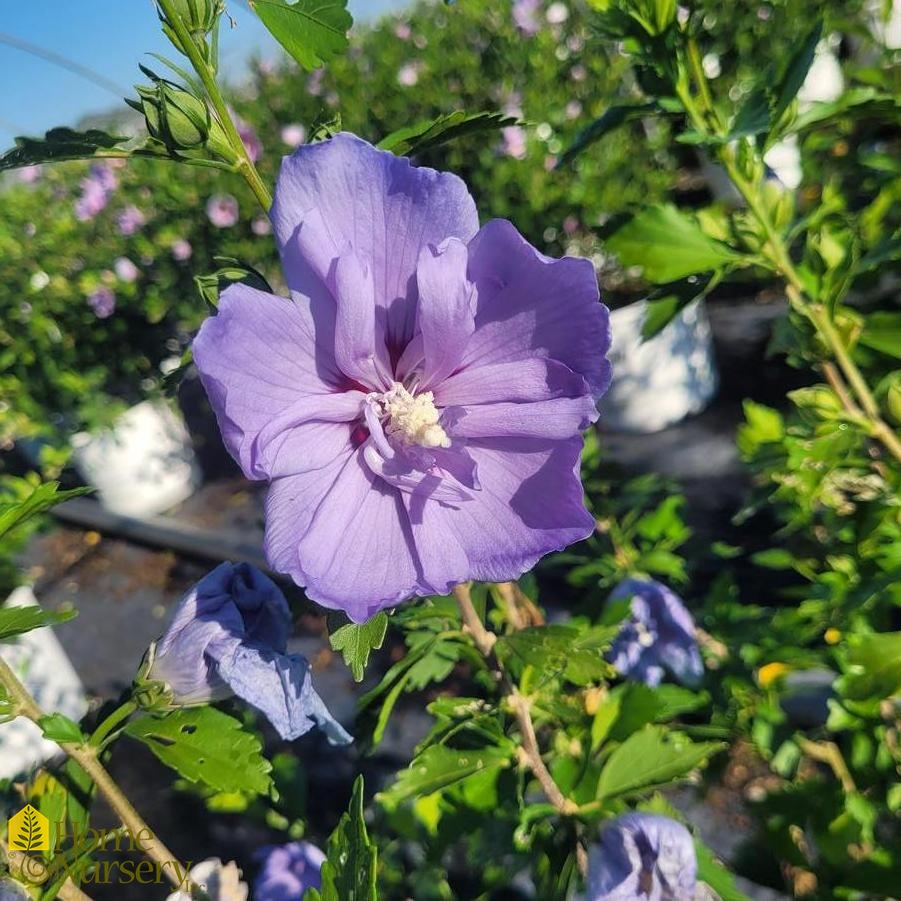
x,y
96,189
126,269
261,226
408,73
314,82
103,302
222,210
182,250
29,174
525,16
288,871
402,30
229,635
130,221
642,855
418,404
293,135
658,635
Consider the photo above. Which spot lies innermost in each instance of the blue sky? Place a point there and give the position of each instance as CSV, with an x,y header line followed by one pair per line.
x,y
109,37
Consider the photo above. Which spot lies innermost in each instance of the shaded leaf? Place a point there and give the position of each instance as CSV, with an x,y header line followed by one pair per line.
x,y
59,144
40,500
613,118
429,134
18,620
207,746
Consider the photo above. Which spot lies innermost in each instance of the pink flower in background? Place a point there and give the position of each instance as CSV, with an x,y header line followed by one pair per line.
x,y
402,31
182,250
314,82
578,72
514,141
417,406
557,13
249,138
525,16
570,225
103,302
126,269
29,174
408,74
130,221
293,135
222,210
261,226
96,189
573,109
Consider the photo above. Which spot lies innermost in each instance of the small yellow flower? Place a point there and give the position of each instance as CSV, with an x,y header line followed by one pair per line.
x,y
91,538
769,673
832,636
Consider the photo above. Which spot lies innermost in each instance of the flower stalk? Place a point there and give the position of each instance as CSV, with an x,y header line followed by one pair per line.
x,y
87,757
529,752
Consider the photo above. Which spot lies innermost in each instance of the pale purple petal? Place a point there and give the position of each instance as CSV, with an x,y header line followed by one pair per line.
x,y
559,418
524,380
529,305
386,209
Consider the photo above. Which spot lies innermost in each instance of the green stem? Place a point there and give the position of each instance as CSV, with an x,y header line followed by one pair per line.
x,y
86,756
102,733
207,78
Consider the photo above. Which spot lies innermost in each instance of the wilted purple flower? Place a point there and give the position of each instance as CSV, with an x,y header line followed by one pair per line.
x,y
525,16
248,136
130,221
229,635
294,135
126,269
222,210
103,302
408,73
182,250
418,405
658,635
514,141
288,871
642,855
261,226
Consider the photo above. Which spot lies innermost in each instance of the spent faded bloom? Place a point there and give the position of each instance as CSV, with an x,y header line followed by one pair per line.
x,y
130,221
102,301
417,405
657,635
229,635
217,881
642,855
222,210
287,871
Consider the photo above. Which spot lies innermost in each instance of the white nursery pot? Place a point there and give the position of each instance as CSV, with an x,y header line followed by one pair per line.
x,y
658,382
143,465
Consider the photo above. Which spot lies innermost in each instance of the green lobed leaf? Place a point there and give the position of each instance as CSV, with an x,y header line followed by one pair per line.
x,y
356,641
312,31
58,727
431,133
40,500
59,144
205,745
350,868
651,757
438,767
18,620
612,118
668,245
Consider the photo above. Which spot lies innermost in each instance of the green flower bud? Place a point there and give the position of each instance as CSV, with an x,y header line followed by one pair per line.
x,y
174,116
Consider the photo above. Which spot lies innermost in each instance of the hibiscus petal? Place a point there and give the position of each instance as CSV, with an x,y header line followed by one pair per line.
x,y
386,209
430,485
342,533
563,417
445,314
530,305
530,504
257,357
280,686
524,380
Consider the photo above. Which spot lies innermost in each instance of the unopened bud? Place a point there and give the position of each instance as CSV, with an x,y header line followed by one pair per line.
x,y
174,116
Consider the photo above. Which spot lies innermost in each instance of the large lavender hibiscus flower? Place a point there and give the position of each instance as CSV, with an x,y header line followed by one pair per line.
x,y
417,405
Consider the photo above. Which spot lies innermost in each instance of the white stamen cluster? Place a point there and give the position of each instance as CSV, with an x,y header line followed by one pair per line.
x,y
412,419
